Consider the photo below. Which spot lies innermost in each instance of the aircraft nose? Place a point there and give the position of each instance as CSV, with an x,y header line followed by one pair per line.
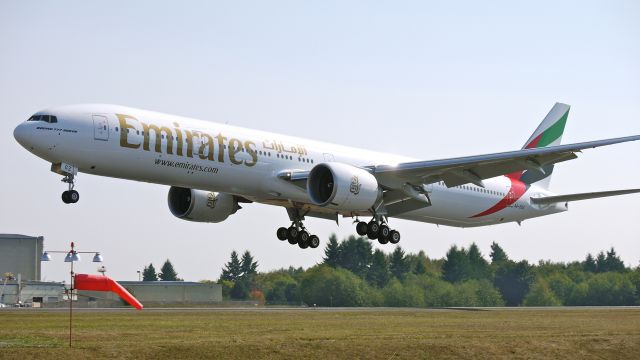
x,y
21,134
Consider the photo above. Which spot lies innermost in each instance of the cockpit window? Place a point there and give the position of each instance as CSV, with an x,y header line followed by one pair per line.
x,y
45,118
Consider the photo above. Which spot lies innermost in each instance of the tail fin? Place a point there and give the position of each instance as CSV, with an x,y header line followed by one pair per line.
x,y
548,133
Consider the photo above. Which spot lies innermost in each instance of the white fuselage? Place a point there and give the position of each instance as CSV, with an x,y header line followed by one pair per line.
x,y
122,142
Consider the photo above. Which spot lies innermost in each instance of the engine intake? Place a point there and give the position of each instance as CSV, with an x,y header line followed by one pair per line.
x,y
201,206
342,187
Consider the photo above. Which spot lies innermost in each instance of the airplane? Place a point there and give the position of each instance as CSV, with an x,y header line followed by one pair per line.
x,y
213,168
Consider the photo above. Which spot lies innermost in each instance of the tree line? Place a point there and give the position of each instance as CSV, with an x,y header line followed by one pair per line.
x,y
352,273
167,273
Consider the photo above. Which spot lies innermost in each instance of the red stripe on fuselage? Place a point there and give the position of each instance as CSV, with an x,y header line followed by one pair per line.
x,y
518,188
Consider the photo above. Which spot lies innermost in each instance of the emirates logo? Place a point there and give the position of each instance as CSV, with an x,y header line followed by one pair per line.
x,y
211,200
355,186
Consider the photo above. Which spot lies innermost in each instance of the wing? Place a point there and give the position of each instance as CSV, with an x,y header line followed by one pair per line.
x,y
547,200
474,169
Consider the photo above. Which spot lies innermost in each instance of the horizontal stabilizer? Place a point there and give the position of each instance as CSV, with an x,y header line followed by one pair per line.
x,y
584,196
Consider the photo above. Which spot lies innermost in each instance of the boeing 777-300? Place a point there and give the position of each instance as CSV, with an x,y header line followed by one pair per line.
x,y
212,168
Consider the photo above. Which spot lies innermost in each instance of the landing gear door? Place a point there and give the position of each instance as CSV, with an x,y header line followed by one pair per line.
x,y
100,127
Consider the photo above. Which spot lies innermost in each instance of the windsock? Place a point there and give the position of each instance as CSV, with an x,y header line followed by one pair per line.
x,y
105,283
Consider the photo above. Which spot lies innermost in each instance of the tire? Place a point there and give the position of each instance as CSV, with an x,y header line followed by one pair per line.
x,y
303,237
74,196
314,241
372,230
303,244
384,232
292,235
361,228
394,237
383,241
65,197
282,234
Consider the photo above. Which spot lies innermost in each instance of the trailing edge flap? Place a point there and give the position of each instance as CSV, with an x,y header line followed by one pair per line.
x,y
584,196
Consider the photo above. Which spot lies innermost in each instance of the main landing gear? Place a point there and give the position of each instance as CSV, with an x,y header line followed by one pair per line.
x,y
378,229
298,234
70,196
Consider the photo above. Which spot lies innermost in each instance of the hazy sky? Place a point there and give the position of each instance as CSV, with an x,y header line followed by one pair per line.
x,y
424,79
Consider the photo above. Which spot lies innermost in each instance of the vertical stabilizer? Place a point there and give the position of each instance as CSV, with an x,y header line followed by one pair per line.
x,y
548,133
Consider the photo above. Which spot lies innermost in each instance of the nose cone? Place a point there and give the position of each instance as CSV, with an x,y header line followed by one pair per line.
x,y
21,134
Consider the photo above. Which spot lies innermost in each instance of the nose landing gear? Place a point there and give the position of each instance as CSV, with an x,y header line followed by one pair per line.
x,y
70,196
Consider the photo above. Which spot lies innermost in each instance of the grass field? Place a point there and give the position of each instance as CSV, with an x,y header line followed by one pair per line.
x,y
320,334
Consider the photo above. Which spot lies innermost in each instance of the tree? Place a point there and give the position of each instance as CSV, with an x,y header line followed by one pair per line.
x,y
513,279
241,289
167,273
232,270
611,289
332,251
408,294
149,273
601,263
398,264
589,264
456,265
378,274
248,267
613,261
326,286
355,255
420,268
497,254
541,295
478,266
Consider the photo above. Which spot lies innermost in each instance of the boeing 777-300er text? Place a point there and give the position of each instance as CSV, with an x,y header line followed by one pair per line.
x,y
212,168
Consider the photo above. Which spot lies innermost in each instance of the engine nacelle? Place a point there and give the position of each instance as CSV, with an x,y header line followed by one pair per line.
x,y
201,206
342,187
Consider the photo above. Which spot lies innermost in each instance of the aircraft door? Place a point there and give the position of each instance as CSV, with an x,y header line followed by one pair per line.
x,y
100,127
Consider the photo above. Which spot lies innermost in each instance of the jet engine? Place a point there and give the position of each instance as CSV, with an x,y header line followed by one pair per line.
x,y
342,187
201,206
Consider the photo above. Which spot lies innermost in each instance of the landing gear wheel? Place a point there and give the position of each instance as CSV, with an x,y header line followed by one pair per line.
x,y
282,233
303,238
383,241
372,230
74,196
314,241
292,235
384,232
65,197
394,237
361,228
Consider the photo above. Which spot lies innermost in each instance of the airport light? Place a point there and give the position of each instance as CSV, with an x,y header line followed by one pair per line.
x,y
71,256
45,256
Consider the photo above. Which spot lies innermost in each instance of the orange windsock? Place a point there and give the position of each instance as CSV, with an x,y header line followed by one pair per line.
x,y
105,283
